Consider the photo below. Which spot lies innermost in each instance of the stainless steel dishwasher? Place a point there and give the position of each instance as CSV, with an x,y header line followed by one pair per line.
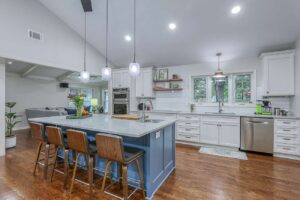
x,y
257,134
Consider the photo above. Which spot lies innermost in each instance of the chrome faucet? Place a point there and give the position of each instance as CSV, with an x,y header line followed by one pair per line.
x,y
146,100
220,106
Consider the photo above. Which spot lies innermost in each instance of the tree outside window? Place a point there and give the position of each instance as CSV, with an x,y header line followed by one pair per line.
x,y
199,89
242,86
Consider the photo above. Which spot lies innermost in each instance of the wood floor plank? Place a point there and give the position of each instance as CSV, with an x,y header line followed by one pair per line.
x,y
197,176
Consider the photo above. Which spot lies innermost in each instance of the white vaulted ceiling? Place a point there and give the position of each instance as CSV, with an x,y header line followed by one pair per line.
x,y
204,27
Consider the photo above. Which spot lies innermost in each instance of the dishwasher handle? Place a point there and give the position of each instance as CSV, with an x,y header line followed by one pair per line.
x,y
257,122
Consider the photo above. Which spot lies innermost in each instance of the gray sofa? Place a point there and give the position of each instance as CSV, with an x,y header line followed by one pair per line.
x,y
44,112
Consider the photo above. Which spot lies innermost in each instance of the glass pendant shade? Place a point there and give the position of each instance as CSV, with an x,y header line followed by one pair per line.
x,y
134,69
84,76
219,74
106,73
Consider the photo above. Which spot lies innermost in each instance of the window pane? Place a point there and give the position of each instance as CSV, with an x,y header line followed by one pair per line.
x,y
243,88
224,90
199,89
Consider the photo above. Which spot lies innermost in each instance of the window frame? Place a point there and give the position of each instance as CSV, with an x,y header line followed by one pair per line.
x,y
231,89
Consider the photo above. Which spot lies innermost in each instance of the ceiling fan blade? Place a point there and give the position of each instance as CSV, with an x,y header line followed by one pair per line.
x,y
87,5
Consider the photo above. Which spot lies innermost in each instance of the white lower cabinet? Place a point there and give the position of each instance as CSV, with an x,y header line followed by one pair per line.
x,y
224,131
209,133
287,138
188,128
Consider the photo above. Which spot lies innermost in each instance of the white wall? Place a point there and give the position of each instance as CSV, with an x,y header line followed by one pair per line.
x,y
296,99
61,47
32,93
181,100
2,110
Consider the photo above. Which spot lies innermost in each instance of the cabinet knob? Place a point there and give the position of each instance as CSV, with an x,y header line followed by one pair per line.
x,y
268,92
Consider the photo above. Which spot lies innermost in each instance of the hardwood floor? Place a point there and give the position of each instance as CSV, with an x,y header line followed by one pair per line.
x,y
197,176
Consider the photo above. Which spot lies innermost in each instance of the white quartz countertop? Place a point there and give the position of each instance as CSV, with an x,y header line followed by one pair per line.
x,y
105,124
223,114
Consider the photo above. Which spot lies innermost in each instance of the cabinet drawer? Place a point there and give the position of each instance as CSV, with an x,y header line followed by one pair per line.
x,y
188,124
282,139
188,137
221,119
189,130
286,131
287,149
189,117
286,123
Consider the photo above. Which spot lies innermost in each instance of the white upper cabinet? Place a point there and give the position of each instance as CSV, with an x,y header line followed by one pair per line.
x,y
279,77
120,79
144,83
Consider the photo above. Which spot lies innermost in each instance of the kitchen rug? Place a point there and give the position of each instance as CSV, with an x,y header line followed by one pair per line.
x,y
217,151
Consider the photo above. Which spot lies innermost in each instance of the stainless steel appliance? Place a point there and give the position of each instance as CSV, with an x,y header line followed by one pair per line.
x,y
257,134
120,100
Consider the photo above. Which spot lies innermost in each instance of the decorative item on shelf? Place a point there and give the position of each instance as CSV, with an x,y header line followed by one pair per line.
x,y
10,118
163,74
94,104
174,85
175,76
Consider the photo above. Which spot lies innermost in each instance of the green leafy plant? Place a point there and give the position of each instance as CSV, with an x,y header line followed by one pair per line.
x,y
11,119
78,101
101,109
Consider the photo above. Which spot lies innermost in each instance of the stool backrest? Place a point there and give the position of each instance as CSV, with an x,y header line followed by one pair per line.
x,y
55,136
37,131
77,140
110,147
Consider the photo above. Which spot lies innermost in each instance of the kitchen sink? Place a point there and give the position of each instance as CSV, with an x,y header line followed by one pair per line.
x,y
154,120
222,113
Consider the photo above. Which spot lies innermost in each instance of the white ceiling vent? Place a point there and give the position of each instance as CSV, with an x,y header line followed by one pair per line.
x,y
34,35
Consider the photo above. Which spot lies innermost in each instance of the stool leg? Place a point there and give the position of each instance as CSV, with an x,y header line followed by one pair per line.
x,y
91,173
120,178
107,169
141,177
38,152
66,168
46,160
55,162
74,172
125,183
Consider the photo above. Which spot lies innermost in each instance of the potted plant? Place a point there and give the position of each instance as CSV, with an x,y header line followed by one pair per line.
x,y
10,118
78,102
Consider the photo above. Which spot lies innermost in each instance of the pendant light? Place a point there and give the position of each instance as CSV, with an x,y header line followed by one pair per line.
x,y
134,67
106,71
84,75
219,75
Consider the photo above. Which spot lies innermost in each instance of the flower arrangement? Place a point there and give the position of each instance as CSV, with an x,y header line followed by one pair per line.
x,y
78,102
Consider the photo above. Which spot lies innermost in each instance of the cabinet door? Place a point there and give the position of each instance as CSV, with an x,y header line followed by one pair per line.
x,y
139,86
209,133
229,135
147,83
125,79
280,75
116,80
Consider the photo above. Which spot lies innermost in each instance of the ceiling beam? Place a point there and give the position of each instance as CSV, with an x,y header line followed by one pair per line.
x,y
64,76
28,71
87,5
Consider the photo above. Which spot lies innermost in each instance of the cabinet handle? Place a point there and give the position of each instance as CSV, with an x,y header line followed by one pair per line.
x,y
286,138
188,137
187,129
187,123
286,130
286,148
286,122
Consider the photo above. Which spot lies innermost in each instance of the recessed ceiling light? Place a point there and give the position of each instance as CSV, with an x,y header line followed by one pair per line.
x,y
236,9
9,62
127,38
172,26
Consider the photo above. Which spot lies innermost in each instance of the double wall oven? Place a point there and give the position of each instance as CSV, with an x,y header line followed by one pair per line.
x,y
120,101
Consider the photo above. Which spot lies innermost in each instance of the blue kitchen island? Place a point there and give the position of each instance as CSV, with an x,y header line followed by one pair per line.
x,y
155,137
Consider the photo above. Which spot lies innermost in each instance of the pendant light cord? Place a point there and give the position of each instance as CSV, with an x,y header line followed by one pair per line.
x,y
84,42
106,46
134,30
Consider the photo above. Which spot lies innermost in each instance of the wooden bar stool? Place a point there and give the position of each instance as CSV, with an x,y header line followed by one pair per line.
x,y
37,132
55,137
78,142
111,148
